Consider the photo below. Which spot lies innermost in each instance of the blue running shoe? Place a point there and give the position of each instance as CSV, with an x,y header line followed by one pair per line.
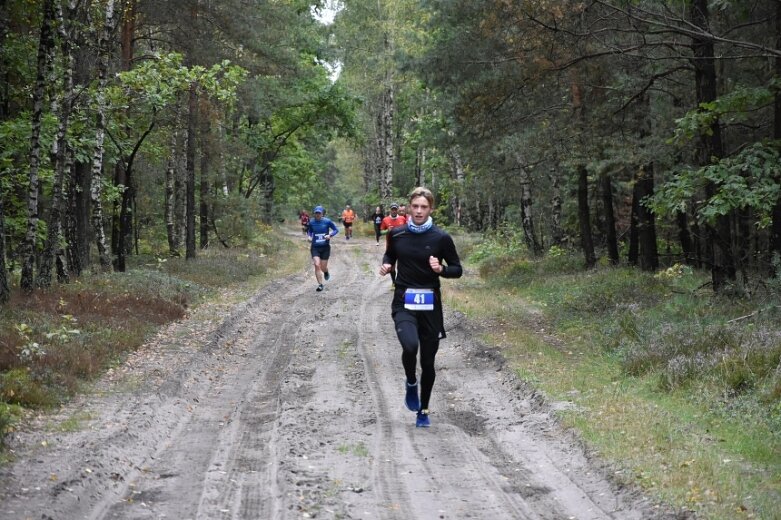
x,y
411,399
422,421
326,275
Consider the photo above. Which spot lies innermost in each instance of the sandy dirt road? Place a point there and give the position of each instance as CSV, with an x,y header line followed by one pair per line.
x,y
290,405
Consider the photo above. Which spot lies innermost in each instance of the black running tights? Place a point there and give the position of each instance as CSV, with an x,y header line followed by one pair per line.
x,y
407,331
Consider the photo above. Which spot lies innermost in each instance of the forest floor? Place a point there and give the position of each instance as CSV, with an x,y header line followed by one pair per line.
x,y
290,405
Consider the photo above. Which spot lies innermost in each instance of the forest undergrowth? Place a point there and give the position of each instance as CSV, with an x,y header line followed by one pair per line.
x,y
675,388
53,343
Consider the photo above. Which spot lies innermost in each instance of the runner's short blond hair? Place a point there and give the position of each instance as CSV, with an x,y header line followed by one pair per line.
x,y
420,191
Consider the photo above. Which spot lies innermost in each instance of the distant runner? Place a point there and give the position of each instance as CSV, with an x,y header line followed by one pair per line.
x,y
304,217
377,221
320,231
348,215
391,221
419,247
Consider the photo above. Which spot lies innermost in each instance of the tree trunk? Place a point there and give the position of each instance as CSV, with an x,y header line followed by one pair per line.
x,y
610,219
491,216
80,207
557,233
775,230
45,47
634,247
80,183
685,238
5,68
170,195
385,131
387,157
204,187
192,127
180,194
269,187
100,135
711,146
5,292
73,251
527,219
119,181
743,235
457,200
62,104
646,222
124,219
584,219
420,159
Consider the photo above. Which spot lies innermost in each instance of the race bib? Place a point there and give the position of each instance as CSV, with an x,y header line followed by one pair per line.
x,y
419,299
320,238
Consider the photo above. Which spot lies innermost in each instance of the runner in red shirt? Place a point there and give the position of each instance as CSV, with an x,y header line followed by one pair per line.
x,y
391,221
304,217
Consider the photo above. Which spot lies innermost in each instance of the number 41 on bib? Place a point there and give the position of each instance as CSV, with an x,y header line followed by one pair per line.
x,y
419,299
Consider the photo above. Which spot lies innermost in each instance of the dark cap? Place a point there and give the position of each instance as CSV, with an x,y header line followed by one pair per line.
x,y
394,206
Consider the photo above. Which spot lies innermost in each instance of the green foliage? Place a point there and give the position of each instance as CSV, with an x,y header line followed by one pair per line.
x,y
10,414
737,105
749,180
15,170
20,386
505,242
503,257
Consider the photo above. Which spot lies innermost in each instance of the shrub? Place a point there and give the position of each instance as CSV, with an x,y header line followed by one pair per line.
x,y
609,289
732,357
503,243
18,386
9,416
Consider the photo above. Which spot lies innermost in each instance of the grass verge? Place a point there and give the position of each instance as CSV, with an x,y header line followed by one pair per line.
x,y
676,388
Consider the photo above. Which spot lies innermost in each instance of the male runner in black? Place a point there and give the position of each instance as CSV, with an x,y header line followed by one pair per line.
x,y
419,248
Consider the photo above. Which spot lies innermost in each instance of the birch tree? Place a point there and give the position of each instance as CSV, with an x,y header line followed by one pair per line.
x,y
104,49
62,106
45,50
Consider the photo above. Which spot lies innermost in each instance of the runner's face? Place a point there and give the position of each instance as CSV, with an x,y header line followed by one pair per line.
x,y
318,215
419,209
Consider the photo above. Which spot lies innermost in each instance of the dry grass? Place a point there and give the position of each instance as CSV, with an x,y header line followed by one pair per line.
x,y
53,342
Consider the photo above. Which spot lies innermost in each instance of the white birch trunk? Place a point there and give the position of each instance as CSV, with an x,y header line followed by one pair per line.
x,y
100,135
387,130
170,201
61,106
45,45
458,175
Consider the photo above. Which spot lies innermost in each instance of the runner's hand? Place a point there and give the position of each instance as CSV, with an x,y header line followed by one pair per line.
x,y
435,265
385,269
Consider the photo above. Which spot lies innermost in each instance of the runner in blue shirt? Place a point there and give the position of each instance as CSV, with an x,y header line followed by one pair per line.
x,y
320,231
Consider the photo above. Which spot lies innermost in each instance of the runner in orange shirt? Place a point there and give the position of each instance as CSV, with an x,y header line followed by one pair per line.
x,y
348,215
391,221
